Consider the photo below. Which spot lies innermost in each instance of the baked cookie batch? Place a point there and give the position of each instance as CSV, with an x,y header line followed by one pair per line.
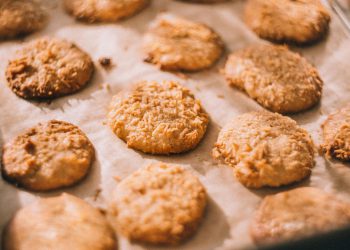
x,y
162,203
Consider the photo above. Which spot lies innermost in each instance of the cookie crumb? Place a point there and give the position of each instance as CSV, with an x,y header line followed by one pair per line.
x,y
106,62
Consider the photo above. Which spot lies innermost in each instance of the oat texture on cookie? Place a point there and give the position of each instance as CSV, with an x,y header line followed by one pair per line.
x,y
298,22
158,204
103,11
299,213
336,134
158,118
175,43
21,17
265,149
48,156
62,222
48,68
277,78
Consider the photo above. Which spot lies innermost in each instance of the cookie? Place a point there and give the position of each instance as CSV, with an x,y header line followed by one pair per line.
x,y
159,204
158,118
47,156
21,17
174,43
103,11
265,149
336,134
63,222
299,22
298,213
277,78
49,68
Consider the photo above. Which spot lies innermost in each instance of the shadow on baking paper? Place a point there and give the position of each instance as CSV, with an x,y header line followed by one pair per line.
x,y
96,84
212,232
339,173
311,115
9,201
262,192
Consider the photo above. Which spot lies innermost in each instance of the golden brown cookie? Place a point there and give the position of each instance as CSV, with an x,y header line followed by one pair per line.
x,y
298,213
49,68
300,22
21,17
174,43
265,149
158,118
159,204
63,222
277,78
48,156
104,11
336,134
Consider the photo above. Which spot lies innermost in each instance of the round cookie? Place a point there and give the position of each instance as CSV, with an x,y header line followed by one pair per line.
x,y
174,43
277,78
48,156
21,17
298,213
300,22
103,11
265,149
336,134
159,204
158,118
49,68
63,222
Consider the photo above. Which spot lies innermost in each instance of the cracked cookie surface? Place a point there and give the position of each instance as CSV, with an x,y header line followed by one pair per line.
x,y
300,22
277,78
47,156
158,118
58,223
159,204
49,68
174,43
265,149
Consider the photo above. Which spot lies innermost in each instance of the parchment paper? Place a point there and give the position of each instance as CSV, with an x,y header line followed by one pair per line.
x,y
231,205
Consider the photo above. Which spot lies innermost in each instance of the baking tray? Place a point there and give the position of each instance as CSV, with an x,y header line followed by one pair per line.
x,y
231,205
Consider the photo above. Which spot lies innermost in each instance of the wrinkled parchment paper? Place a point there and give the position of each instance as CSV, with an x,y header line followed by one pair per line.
x,y
231,205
